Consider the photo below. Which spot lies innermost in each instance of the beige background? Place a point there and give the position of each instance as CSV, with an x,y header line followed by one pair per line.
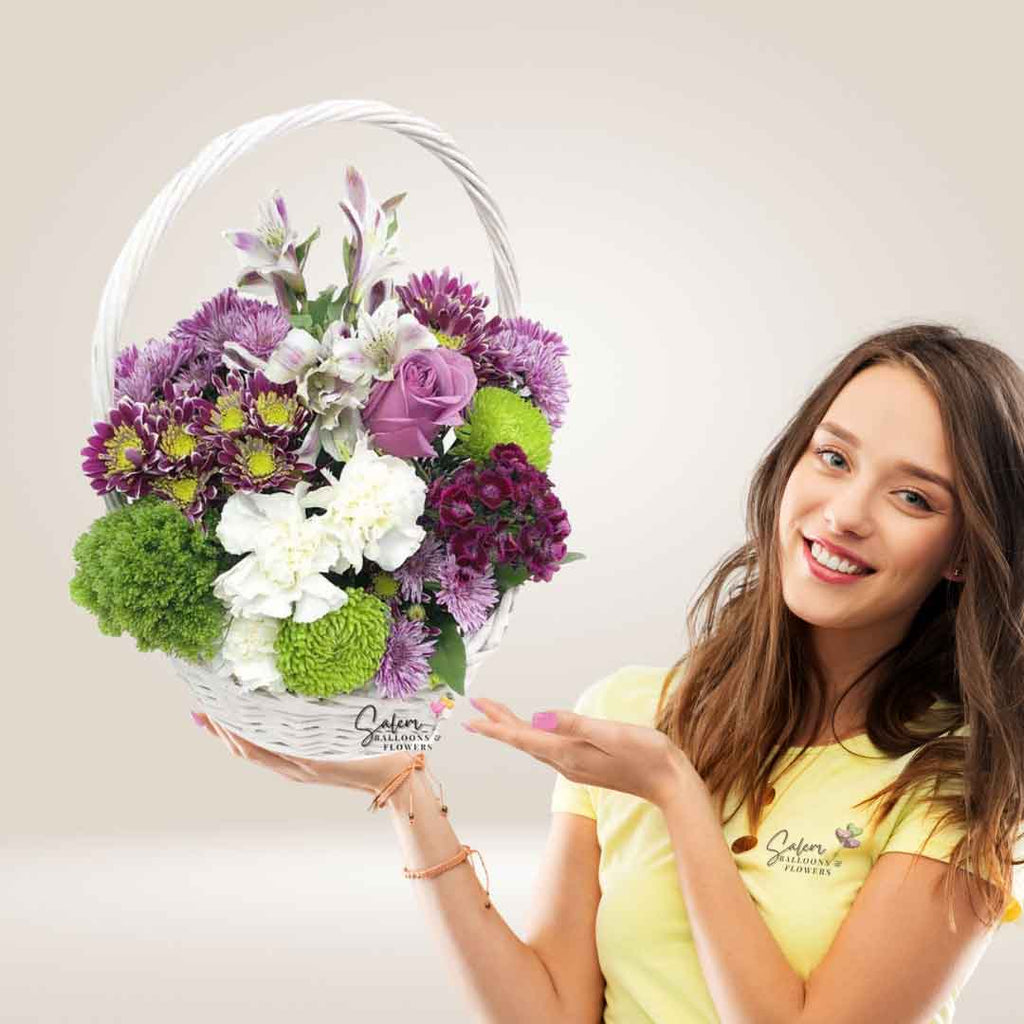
x,y
710,203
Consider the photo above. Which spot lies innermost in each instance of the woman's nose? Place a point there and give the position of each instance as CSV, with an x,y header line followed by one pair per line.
x,y
849,511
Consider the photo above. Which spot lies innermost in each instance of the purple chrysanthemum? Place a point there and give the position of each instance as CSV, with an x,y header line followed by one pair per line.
x,y
190,484
256,329
230,324
209,327
226,414
123,453
450,308
273,409
422,565
524,354
140,373
467,593
250,462
178,421
197,373
405,667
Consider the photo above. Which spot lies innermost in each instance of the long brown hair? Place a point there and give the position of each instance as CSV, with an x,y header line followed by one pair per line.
x,y
749,681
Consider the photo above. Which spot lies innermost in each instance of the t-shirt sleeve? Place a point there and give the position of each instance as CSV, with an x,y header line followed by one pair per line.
x,y
573,796
912,833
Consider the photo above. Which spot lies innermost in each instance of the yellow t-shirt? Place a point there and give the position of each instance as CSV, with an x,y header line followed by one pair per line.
x,y
645,946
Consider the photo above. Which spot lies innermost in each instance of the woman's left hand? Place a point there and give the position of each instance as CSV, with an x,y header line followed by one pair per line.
x,y
592,751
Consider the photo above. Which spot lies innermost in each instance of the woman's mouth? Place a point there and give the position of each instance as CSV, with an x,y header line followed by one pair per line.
x,y
827,574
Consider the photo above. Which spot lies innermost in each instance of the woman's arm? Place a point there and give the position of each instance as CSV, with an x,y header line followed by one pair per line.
x,y
504,978
746,972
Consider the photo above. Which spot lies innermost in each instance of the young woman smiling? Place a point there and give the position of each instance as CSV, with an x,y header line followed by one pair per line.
x,y
760,832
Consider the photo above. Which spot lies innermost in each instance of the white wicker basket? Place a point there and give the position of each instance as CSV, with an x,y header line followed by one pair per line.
x,y
346,726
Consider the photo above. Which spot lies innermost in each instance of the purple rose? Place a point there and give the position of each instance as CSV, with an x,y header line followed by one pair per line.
x,y
431,388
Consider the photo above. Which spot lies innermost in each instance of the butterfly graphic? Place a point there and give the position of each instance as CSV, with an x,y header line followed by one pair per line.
x,y
440,707
846,835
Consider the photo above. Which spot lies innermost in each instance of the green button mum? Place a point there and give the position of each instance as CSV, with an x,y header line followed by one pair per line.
x,y
497,416
339,652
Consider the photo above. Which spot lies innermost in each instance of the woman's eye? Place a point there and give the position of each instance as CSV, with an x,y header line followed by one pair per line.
x,y
923,503
828,451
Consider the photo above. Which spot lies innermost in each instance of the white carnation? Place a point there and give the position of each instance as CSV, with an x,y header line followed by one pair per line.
x,y
372,508
282,575
248,653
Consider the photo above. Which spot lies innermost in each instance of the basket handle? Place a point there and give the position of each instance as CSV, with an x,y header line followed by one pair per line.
x,y
228,147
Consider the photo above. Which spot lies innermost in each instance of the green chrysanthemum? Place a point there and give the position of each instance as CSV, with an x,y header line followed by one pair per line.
x,y
337,653
497,416
146,570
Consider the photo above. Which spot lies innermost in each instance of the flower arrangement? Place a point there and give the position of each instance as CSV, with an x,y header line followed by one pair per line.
x,y
324,496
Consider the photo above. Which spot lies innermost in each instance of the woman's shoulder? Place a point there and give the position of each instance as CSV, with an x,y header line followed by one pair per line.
x,y
627,694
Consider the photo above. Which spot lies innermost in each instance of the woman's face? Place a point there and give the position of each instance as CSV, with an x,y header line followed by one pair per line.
x,y
861,496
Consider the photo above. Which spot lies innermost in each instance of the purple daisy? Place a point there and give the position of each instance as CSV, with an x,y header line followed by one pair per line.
x,y
249,462
273,409
190,484
123,452
405,667
469,594
422,565
451,309
226,414
178,420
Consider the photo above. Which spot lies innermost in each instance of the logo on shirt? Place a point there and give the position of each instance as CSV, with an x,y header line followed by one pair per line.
x,y
806,857
846,835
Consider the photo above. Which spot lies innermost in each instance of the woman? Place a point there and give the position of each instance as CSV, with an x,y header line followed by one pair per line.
x,y
777,827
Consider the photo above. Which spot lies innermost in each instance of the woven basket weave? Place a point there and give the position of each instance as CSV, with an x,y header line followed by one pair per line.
x,y
346,726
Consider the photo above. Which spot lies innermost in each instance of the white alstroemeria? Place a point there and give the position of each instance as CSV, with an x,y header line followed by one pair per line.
x,y
297,351
248,653
340,441
268,255
383,339
372,507
374,251
286,557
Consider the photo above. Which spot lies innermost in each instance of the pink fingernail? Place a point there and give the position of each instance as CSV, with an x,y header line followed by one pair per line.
x,y
198,720
545,720
475,703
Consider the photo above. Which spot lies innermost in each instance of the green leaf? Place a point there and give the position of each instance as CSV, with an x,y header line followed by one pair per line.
x,y
572,556
449,657
303,320
302,249
323,310
508,576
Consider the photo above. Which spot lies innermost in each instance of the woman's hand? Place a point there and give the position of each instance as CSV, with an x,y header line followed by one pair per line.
x,y
366,773
592,751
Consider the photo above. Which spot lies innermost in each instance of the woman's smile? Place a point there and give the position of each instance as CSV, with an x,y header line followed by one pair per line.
x,y
826,574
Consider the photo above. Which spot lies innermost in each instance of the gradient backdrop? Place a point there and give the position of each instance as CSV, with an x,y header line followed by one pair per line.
x,y
710,203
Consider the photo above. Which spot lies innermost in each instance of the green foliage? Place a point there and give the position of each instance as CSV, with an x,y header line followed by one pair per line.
x,y
323,311
508,576
302,249
146,570
449,658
